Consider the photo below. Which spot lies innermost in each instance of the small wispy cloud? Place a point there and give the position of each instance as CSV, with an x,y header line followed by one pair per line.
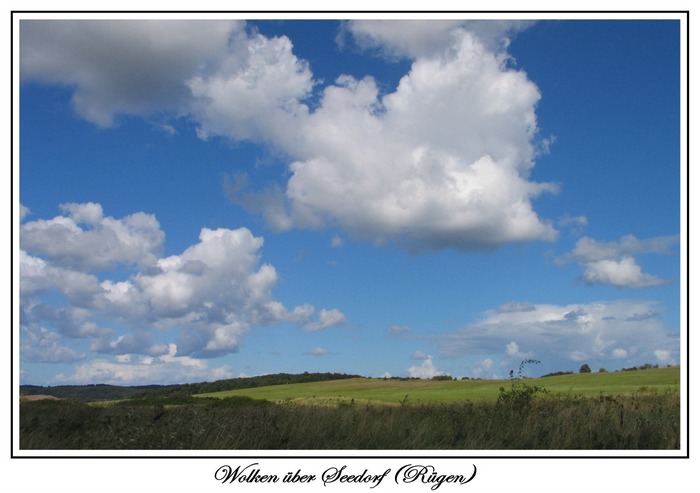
x,y
398,329
420,355
318,351
336,241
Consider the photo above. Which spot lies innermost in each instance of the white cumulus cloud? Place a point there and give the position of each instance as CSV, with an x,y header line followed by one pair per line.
x,y
622,273
482,368
613,263
326,319
664,356
203,300
85,239
425,370
441,162
255,94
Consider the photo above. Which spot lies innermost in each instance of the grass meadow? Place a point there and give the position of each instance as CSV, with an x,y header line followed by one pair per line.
x,y
637,410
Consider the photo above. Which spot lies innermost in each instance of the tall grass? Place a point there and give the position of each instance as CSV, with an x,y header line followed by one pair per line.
x,y
643,420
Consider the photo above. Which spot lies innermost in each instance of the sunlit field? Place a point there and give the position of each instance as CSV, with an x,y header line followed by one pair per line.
x,y
432,391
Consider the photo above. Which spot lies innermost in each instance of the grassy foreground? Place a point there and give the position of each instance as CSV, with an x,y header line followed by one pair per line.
x,y
649,421
647,418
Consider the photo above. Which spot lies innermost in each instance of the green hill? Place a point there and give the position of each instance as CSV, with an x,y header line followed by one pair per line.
x,y
414,390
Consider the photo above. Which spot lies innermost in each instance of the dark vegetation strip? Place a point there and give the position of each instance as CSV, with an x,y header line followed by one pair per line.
x,y
115,392
648,420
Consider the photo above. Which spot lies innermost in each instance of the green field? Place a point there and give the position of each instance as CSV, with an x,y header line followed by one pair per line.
x,y
395,391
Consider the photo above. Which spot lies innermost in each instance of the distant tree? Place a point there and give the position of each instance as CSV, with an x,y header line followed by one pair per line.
x,y
557,373
602,370
442,377
585,369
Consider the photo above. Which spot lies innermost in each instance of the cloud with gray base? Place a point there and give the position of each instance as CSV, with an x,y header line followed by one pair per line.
x,y
131,369
122,67
414,39
609,333
614,264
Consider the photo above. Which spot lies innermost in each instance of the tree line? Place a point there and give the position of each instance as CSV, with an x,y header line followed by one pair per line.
x,y
115,392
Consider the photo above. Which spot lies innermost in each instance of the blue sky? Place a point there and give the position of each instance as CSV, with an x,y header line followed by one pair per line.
x,y
204,200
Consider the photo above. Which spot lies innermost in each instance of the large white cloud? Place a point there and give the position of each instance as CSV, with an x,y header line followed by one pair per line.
x,y
441,162
607,334
200,303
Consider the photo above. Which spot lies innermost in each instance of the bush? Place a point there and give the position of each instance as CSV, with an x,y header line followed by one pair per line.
x,y
520,395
